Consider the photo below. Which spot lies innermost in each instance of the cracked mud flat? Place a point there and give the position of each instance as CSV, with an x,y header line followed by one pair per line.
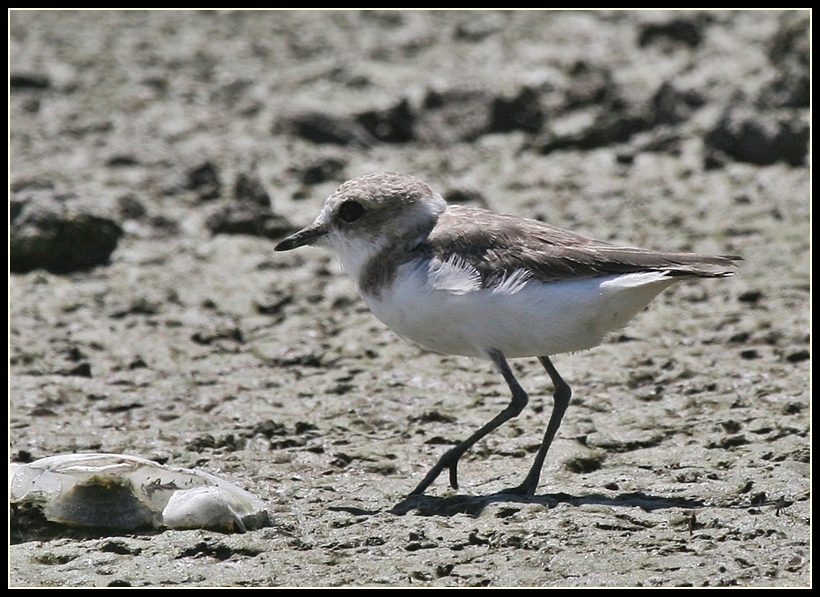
x,y
683,459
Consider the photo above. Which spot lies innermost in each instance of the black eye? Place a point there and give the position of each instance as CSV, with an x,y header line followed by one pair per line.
x,y
350,211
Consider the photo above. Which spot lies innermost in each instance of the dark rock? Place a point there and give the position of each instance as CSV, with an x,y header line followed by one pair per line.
x,y
48,233
673,106
248,213
249,190
677,31
204,180
790,52
19,81
391,125
323,128
520,113
322,170
749,135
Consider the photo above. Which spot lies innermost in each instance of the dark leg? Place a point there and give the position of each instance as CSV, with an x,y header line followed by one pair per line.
x,y
561,397
517,404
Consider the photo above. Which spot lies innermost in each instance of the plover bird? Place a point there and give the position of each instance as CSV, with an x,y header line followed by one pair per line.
x,y
468,281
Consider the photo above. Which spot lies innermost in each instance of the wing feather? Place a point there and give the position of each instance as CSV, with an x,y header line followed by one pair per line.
x,y
499,245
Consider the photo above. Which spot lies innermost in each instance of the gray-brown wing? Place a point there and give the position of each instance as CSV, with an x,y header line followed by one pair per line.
x,y
494,243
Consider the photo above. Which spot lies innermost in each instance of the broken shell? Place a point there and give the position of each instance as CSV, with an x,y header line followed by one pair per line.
x,y
128,492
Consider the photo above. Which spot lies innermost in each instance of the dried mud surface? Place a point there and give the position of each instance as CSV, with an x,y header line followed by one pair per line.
x,y
684,458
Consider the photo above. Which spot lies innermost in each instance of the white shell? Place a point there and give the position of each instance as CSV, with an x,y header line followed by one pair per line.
x,y
126,492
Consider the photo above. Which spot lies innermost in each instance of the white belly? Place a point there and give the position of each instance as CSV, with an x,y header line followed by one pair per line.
x,y
523,319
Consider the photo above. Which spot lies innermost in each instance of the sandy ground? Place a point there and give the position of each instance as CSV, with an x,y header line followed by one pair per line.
x,y
198,139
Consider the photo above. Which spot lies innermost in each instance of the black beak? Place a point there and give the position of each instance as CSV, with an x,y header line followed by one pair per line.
x,y
305,236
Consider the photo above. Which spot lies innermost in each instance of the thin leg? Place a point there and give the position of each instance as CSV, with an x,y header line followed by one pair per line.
x,y
451,457
561,397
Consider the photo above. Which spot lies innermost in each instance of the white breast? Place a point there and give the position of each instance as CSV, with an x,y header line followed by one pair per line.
x,y
441,306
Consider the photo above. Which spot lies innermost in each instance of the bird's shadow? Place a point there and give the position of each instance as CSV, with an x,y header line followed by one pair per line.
x,y
474,505
425,505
